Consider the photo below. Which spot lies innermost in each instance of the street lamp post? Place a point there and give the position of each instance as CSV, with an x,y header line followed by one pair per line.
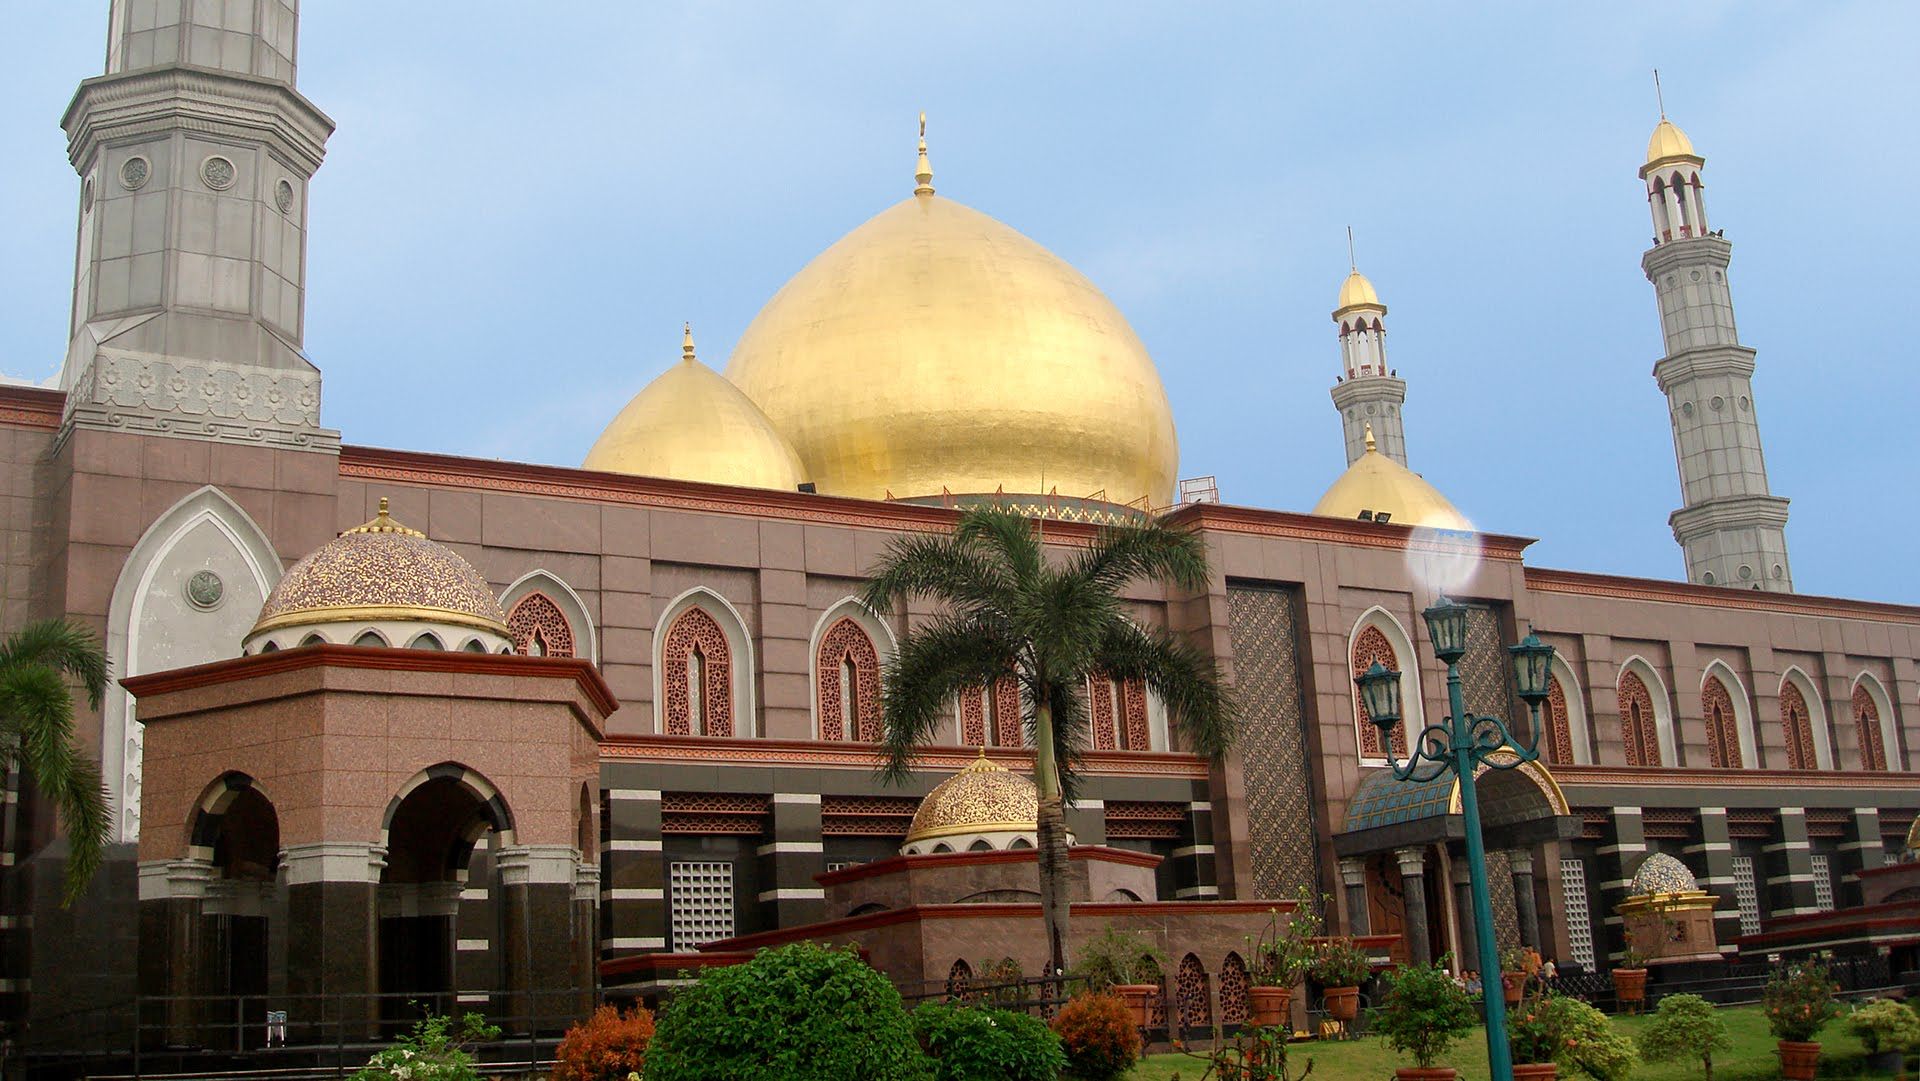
x,y
1462,744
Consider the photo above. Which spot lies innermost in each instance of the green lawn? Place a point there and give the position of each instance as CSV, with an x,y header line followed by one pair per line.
x,y
1367,1059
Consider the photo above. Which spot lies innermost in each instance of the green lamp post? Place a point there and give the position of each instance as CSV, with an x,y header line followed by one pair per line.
x,y
1461,745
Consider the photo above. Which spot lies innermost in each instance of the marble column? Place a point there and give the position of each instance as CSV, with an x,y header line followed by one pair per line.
x,y
1463,919
586,936
1353,876
537,884
1413,881
173,896
333,935
1520,860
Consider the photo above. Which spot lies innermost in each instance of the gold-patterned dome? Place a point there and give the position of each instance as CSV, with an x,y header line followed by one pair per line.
x,y
1357,292
382,571
691,424
1377,483
1669,143
983,798
1661,873
934,348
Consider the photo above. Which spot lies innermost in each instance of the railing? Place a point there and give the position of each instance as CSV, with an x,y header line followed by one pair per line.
x,y
1042,996
283,1036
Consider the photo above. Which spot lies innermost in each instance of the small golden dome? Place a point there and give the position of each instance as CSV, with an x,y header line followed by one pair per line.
x,y
1668,143
934,348
1375,482
382,571
983,798
1357,292
691,424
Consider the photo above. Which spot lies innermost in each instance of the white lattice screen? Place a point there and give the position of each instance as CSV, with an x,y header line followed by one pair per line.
x,y
1746,895
1822,883
1573,881
700,902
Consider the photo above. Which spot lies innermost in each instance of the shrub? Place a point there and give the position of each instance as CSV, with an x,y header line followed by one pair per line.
x,y
1097,1032
605,1047
1282,958
435,1050
1687,1027
1556,1028
1003,978
1884,1025
1423,1013
971,1043
1798,1001
1337,962
798,1012
1116,957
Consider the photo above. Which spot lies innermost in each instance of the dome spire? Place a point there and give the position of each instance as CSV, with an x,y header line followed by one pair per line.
x,y
1659,98
1370,446
686,342
1353,265
923,173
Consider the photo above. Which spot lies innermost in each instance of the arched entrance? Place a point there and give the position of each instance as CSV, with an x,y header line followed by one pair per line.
x,y
235,835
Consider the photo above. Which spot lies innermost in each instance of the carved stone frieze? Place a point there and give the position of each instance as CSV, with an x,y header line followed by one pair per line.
x,y
202,398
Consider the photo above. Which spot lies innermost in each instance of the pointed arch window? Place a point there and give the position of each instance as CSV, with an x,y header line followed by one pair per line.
x,y
1557,721
1723,735
1371,645
539,628
1637,726
1797,725
847,669
1118,710
991,720
697,676
1866,715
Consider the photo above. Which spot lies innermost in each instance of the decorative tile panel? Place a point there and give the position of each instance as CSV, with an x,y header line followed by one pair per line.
x,y
1273,742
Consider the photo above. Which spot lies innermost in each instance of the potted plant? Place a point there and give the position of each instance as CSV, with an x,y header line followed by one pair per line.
x,y
1688,1028
1888,1030
1129,965
1547,1031
1422,1013
1339,967
1281,959
1517,966
1630,977
1798,1002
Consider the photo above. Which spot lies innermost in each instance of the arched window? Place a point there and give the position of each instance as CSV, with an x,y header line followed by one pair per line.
x,y
991,720
1369,646
1797,725
1192,991
1638,729
1234,1008
1866,717
539,628
847,682
697,676
369,638
1557,739
1723,734
1118,709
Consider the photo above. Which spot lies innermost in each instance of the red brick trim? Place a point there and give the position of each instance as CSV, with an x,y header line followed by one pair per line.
x,y
1650,589
846,754
31,407
894,864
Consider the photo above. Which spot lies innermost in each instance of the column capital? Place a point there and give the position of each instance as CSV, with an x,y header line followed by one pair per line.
x,y
1413,861
333,861
1520,860
183,879
586,883
1353,870
523,865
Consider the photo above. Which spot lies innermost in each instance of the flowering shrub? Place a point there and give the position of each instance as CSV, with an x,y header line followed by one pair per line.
x,y
1885,1025
1097,1033
1423,1013
969,1043
1798,1001
435,1050
1119,957
1556,1028
1338,962
605,1047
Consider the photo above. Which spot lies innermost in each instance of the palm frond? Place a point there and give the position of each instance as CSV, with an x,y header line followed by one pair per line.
x,y
1008,535
36,709
63,646
934,663
1198,706
942,568
1121,554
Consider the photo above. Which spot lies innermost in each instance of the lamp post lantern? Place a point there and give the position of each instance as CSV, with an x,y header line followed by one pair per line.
x,y
1461,744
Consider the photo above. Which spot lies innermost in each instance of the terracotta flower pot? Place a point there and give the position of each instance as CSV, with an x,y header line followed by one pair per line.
x,y
1343,1003
1535,1071
1426,1073
1798,1061
1630,985
1271,1005
1514,986
1139,1000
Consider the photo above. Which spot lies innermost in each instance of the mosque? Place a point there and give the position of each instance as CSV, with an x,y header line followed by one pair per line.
x,y
393,721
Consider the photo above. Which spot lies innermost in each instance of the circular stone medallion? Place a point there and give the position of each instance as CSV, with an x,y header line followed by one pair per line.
x,y
283,195
217,172
133,173
205,589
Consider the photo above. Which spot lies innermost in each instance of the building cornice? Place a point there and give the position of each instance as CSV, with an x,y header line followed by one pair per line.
x,y
1225,518
31,407
1709,250
180,97
1575,777
1541,580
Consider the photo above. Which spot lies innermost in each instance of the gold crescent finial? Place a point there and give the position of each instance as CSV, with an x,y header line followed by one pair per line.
x,y
1370,435
686,342
923,173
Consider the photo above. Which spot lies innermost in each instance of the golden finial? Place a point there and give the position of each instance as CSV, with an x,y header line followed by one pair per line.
x,y
1351,264
383,508
686,341
1369,435
383,523
924,173
1658,97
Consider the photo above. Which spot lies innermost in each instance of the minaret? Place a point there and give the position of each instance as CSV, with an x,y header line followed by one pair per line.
x,y
1367,392
194,151
1732,530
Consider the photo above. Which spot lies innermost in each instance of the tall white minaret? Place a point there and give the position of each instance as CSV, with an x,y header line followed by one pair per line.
x,y
1731,528
194,151
1367,392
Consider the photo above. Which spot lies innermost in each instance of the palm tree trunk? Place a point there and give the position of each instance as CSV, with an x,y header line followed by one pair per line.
x,y
1052,839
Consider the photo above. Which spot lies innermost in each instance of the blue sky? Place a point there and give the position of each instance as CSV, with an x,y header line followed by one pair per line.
x,y
523,202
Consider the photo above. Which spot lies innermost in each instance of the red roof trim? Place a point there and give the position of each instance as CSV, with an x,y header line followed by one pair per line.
x,y
32,407
1663,592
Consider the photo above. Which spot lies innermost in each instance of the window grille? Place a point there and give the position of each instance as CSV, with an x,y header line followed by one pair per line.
x,y
701,902
1746,895
1822,883
1573,880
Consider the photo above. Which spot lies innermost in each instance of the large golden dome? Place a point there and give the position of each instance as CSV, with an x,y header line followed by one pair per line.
x,y
382,571
691,424
936,348
1377,483
983,798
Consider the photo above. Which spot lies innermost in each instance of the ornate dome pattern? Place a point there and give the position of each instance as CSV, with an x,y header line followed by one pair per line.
x,y
983,798
382,570
1661,873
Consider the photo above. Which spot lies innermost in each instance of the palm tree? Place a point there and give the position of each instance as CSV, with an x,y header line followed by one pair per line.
x,y
36,731
1006,610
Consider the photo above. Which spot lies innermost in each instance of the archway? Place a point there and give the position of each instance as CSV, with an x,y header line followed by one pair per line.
x,y
236,829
